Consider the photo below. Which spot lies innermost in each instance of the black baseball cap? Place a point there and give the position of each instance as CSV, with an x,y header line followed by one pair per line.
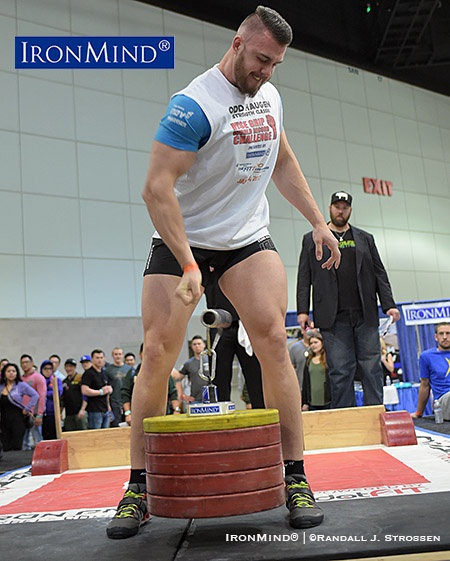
x,y
71,361
341,196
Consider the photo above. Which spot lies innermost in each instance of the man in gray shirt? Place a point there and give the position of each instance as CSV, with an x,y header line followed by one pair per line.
x,y
190,369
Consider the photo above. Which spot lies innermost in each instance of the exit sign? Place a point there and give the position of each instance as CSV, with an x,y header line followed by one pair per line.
x,y
377,186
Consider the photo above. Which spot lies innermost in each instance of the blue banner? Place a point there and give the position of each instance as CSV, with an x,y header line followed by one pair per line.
x,y
95,52
428,312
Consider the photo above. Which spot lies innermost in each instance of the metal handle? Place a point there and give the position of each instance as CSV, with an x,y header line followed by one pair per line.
x,y
217,319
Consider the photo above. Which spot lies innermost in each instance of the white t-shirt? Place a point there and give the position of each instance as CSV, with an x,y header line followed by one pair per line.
x,y
222,197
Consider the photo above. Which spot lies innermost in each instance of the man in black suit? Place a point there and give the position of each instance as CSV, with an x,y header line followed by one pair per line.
x,y
345,305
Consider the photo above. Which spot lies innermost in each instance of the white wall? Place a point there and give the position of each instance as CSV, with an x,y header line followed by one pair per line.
x,y
74,147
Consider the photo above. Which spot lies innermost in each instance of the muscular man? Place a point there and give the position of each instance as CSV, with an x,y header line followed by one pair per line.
x,y
217,147
434,367
345,305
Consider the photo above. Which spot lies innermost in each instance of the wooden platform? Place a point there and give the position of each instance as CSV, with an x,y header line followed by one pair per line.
x,y
98,448
339,428
334,428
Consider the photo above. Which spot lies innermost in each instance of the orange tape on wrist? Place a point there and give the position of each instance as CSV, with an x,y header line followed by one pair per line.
x,y
190,267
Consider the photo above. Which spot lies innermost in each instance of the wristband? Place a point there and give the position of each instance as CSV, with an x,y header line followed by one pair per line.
x,y
177,409
190,267
127,413
38,416
101,391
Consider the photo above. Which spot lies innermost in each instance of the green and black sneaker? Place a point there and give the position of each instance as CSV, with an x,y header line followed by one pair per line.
x,y
303,510
132,513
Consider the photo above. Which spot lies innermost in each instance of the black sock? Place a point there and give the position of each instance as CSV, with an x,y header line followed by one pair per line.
x,y
138,476
293,467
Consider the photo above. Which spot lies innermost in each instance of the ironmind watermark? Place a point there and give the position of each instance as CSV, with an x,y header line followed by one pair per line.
x,y
94,52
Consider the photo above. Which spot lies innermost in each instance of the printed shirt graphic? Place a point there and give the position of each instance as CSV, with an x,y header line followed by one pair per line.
x,y
222,197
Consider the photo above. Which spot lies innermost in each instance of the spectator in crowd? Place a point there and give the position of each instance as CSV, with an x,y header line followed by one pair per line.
x,y
94,385
14,414
298,353
56,360
86,362
74,402
3,361
51,417
190,370
130,360
345,305
316,382
115,373
34,379
229,347
173,403
434,366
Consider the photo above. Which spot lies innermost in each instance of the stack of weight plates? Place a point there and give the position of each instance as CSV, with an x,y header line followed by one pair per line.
x,y
210,466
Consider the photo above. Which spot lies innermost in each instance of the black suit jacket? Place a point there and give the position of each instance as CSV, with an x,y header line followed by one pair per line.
x,y
371,275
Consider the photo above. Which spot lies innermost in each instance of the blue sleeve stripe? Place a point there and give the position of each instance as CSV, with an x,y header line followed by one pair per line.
x,y
184,126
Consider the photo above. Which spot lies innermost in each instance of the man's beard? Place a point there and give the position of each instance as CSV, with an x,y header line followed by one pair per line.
x,y
339,222
242,79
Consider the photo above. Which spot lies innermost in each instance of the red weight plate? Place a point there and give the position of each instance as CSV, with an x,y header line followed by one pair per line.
x,y
218,505
212,441
213,462
215,484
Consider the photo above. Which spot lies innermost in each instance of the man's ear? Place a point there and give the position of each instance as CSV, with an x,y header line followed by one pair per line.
x,y
237,43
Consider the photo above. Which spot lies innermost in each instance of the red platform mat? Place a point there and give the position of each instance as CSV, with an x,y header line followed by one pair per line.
x,y
326,471
358,469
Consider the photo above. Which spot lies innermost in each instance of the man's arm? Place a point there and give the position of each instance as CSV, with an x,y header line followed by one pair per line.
x,y
166,166
424,394
384,289
89,392
304,282
290,181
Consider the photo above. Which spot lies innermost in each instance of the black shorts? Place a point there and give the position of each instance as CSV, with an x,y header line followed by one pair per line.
x,y
161,260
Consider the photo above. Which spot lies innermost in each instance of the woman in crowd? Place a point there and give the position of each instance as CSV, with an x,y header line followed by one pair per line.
x,y
14,415
48,422
316,392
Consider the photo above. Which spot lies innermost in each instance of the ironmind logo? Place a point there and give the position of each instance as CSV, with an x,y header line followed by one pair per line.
x,y
95,52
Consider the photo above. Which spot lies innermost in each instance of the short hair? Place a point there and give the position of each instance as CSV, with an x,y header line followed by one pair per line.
x,y
440,324
54,356
97,352
197,337
130,354
273,21
26,356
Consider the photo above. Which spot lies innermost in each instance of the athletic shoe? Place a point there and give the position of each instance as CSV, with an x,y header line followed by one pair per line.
x,y
303,510
132,513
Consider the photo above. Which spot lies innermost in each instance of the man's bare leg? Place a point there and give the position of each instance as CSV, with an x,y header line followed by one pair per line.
x,y
257,289
165,319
